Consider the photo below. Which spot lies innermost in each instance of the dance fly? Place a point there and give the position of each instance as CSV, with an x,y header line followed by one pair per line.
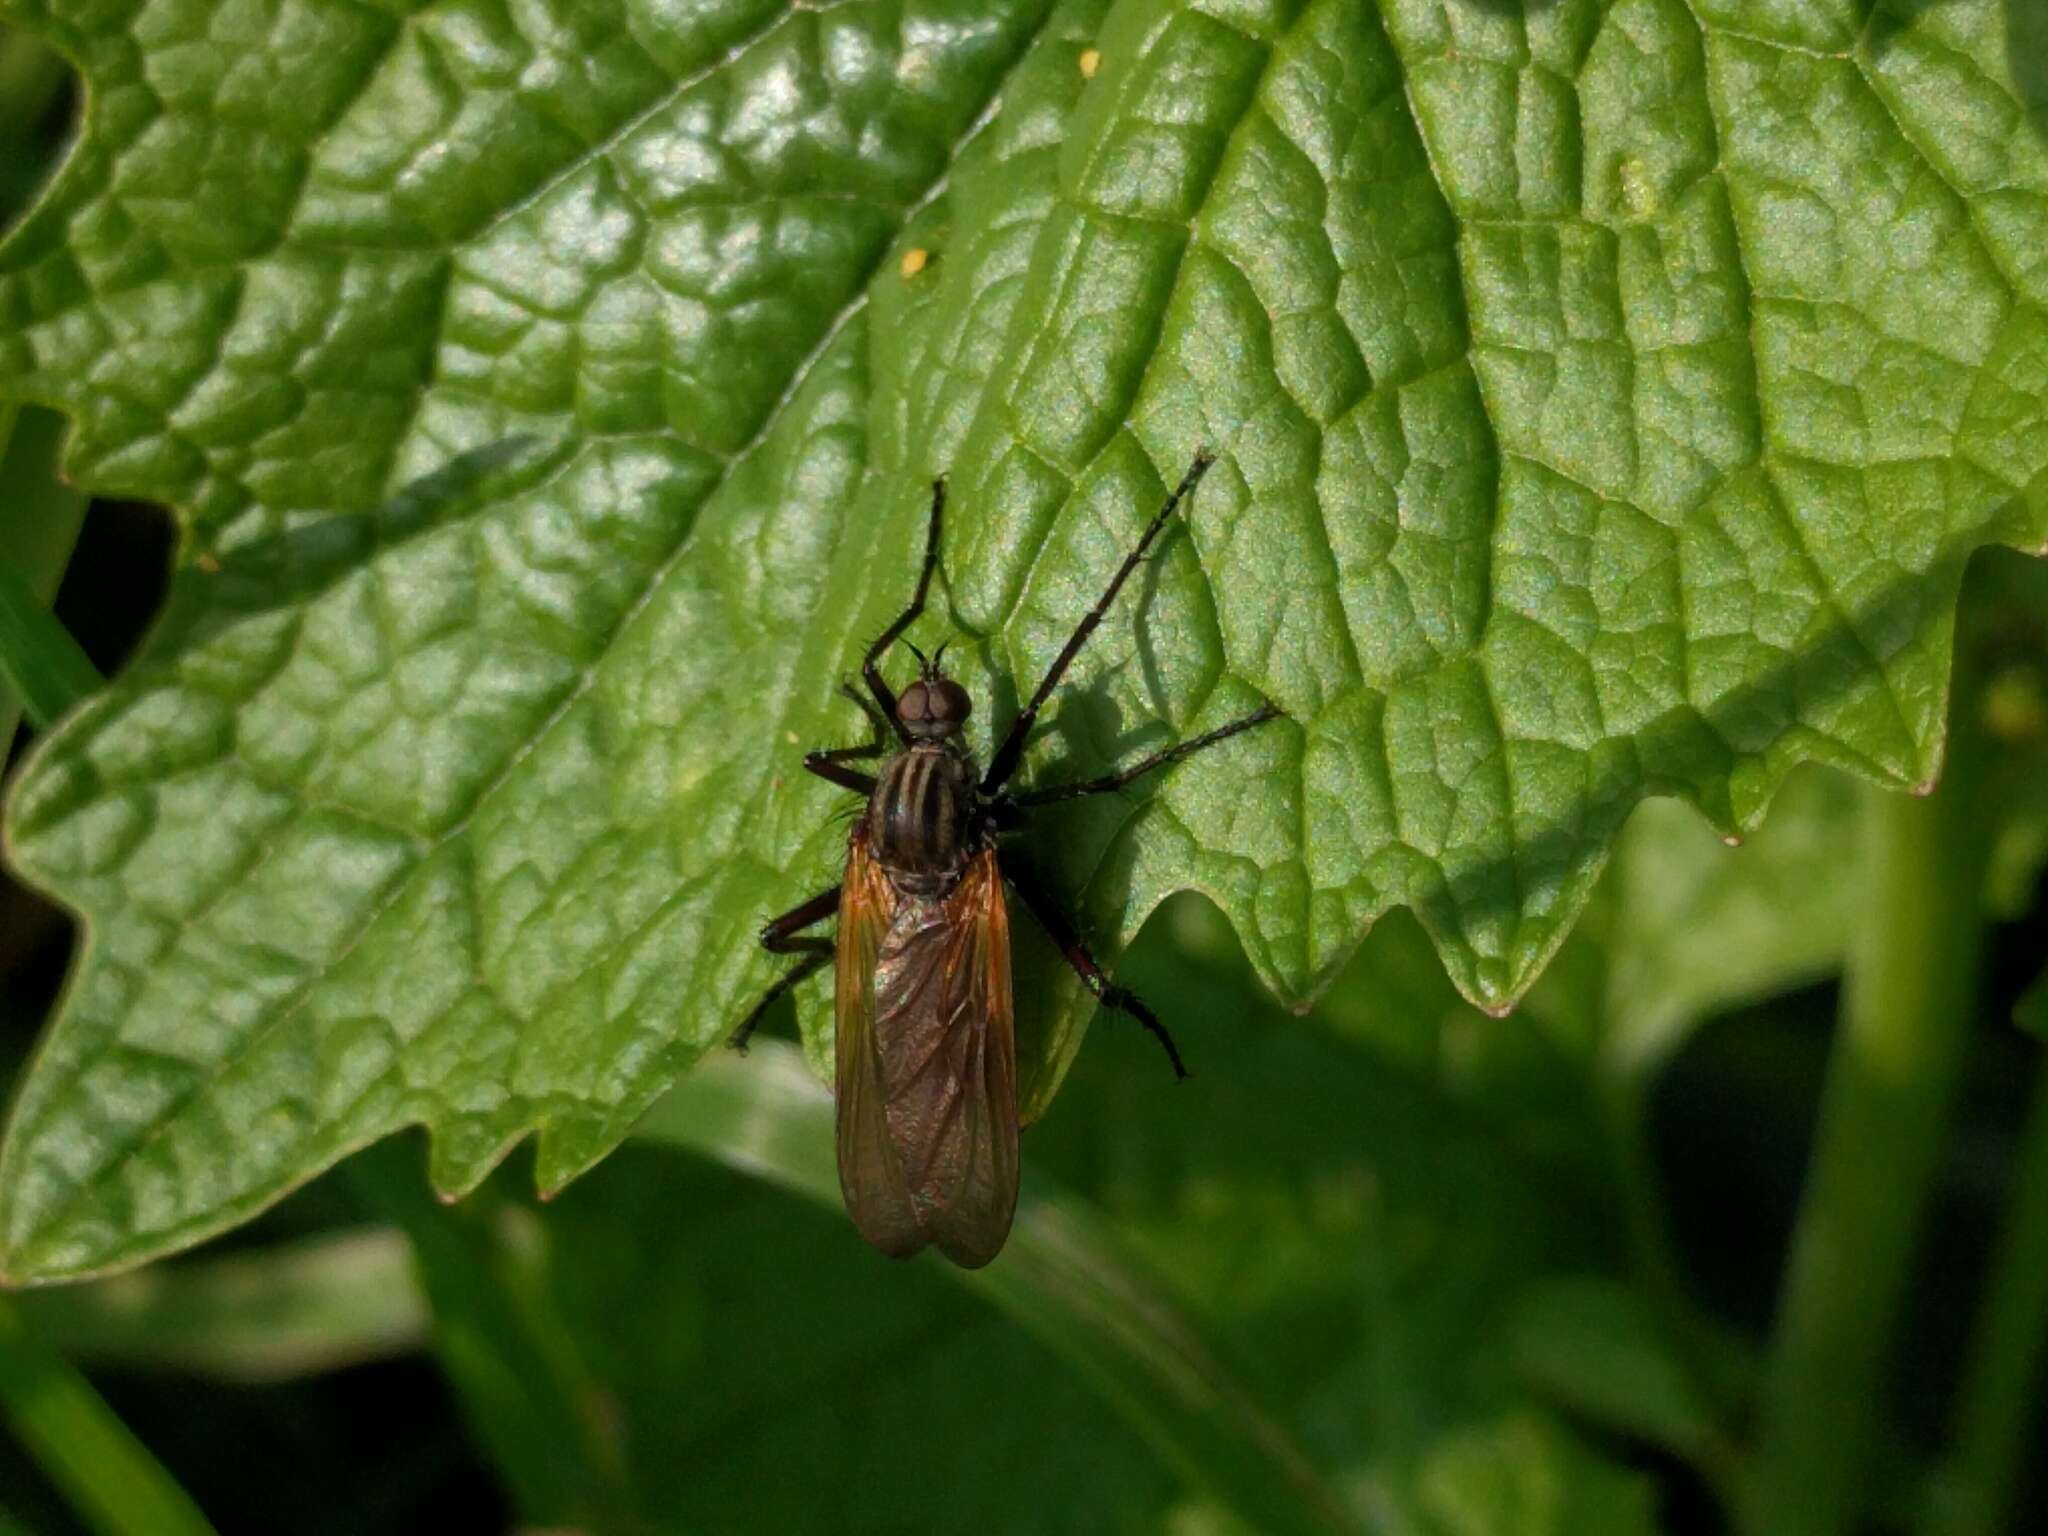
x,y
926,1061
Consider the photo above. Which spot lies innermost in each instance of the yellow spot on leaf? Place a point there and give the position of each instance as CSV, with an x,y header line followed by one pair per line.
x,y
1090,62
914,260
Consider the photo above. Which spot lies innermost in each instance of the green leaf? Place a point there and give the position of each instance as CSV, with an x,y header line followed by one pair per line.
x,y
1526,1477
290,1310
1361,1260
1708,927
1372,1247
1606,402
765,1371
1596,1346
1063,1278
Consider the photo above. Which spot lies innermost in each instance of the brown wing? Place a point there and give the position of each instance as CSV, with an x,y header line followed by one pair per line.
x,y
928,1100
870,1172
965,1096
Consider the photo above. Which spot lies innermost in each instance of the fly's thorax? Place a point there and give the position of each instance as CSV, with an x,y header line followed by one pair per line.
x,y
921,818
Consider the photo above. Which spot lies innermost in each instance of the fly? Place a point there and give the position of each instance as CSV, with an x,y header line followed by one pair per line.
x,y
926,1063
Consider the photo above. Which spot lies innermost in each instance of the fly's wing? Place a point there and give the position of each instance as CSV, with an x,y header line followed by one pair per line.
x,y
949,1062
927,1064
870,1170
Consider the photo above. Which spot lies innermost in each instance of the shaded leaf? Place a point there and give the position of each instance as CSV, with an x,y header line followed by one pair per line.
x,y
2032,1009
1704,927
1597,1347
767,1371
1526,1477
1062,1277
507,1347
1370,1248
292,1309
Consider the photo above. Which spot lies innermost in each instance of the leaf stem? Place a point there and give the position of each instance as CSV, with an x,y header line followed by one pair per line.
x,y
39,521
116,1487
1908,1001
1996,1405
39,661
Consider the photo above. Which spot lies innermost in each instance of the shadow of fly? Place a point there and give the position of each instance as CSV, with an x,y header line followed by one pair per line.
x,y
926,1065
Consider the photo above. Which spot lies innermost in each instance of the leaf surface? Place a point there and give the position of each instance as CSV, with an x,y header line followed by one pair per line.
x,y
1606,398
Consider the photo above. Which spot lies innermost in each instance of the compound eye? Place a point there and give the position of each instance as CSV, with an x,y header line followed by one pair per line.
x,y
913,705
949,702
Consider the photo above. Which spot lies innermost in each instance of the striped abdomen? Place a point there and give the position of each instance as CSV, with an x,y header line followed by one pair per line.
x,y
918,818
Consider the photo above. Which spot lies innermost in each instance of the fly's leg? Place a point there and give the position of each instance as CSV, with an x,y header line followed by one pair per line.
x,y
1011,752
1060,928
780,937
828,764
817,954
1145,765
877,721
877,684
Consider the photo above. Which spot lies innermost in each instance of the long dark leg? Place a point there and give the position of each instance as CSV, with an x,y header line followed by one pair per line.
x,y
1060,928
1011,752
826,764
779,937
878,723
1145,765
877,684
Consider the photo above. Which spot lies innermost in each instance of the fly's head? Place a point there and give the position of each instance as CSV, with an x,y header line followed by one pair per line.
x,y
934,708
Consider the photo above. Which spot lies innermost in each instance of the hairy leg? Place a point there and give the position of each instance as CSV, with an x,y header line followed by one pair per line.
x,y
780,937
1060,928
1003,762
1145,765
877,684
